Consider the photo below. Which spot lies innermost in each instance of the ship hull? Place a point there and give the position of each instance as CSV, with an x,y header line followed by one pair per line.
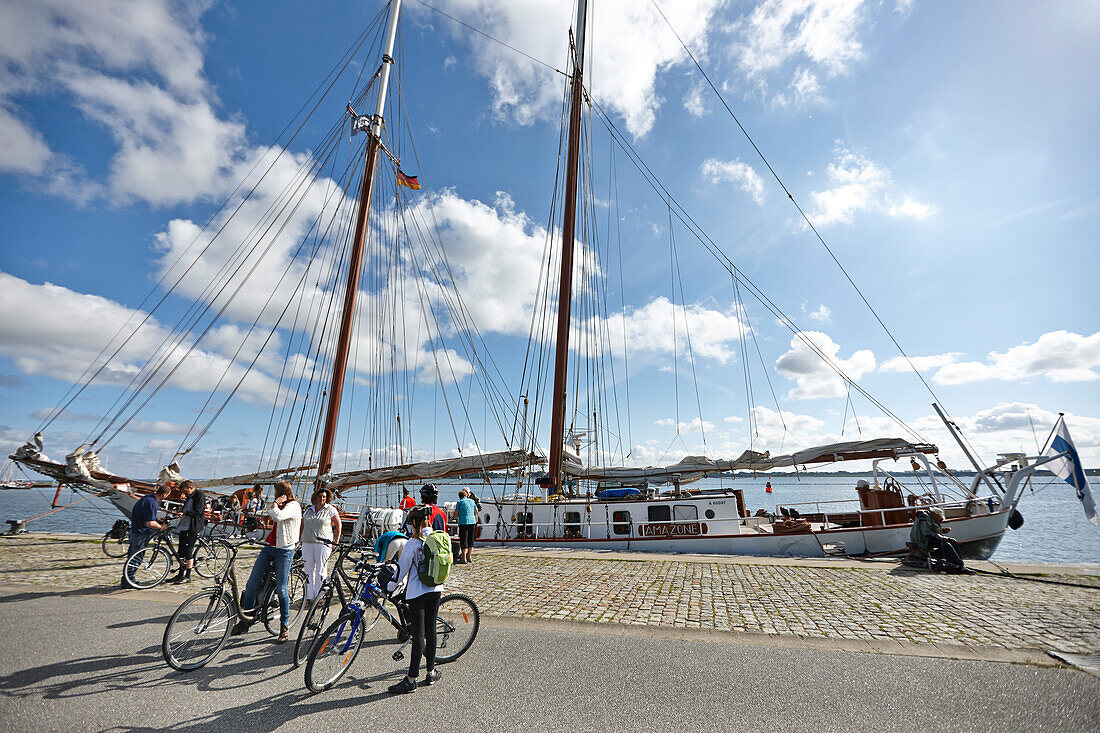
x,y
978,535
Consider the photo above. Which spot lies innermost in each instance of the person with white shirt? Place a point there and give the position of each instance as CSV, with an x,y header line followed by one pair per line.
x,y
279,551
320,529
422,602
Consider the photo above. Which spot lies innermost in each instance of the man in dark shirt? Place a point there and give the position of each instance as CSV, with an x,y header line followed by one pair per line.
x,y
143,520
192,521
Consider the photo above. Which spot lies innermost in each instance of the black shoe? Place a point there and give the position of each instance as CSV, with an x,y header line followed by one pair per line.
x,y
241,627
403,687
180,578
432,677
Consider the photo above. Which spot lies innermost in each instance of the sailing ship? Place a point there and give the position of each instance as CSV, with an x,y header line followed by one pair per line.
x,y
340,318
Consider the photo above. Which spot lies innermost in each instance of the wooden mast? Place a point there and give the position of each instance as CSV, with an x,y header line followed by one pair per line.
x,y
565,290
339,367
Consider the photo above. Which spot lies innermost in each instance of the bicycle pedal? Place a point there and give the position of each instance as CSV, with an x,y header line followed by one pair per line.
x,y
398,655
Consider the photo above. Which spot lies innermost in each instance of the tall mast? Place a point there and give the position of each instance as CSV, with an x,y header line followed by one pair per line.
x,y
339,367
565,290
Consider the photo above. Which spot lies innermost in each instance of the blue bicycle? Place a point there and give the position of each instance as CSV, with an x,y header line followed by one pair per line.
x,y
334,650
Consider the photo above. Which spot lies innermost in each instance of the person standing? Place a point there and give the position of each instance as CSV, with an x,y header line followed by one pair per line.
x,y
278,552
320,529
143,520
422,602
192,521
467,525
429,495
407,502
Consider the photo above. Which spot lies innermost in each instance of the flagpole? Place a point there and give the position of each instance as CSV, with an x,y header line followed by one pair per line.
x,y
1053,430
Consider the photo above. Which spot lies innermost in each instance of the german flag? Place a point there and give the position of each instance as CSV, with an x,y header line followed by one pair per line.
x,y
407,181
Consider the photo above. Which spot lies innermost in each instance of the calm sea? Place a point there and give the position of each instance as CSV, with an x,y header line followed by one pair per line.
x,y
1055,529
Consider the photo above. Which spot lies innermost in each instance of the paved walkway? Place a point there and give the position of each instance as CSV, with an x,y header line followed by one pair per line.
x,y
878,603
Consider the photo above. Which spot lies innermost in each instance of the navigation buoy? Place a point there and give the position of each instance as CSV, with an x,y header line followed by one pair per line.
x,y
768,488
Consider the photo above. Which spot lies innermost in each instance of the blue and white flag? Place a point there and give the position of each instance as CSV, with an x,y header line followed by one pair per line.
x,y
1068,467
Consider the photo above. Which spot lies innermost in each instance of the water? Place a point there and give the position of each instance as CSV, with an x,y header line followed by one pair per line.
x,y
1055,529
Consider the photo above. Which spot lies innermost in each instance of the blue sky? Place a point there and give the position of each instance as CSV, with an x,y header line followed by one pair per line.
x,y
946,153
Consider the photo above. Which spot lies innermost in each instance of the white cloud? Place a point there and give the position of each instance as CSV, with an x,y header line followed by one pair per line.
x,y
22,149
694,102
651,336
50,330
634,45
922,363
858,184
798,41
814,377
137,70
734,171
695,425
910,209
1060,356
822,315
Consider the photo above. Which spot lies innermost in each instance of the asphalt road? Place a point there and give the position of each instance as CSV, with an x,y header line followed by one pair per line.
x,y
72,662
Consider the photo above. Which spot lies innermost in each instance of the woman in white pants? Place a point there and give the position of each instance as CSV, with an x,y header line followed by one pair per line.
x,y
320,521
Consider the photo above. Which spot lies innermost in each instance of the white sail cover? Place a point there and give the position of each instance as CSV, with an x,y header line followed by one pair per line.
x,y
692,468
434,469
247,478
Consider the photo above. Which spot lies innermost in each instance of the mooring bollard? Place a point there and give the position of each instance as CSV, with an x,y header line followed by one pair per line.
x,y
16,526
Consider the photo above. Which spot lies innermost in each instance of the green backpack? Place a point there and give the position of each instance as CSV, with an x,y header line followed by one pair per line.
x,y
435,559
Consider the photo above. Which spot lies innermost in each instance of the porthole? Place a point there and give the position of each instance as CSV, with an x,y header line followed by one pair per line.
x,y
487,519
709,513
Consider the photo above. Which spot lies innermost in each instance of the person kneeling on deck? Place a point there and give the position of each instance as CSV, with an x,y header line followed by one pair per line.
x,y
929,535
278,552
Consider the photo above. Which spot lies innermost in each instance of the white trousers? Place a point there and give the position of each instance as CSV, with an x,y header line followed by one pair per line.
x,y
315,556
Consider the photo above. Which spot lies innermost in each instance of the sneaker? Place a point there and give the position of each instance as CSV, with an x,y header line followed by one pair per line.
x,y
432,677
403,687
241,627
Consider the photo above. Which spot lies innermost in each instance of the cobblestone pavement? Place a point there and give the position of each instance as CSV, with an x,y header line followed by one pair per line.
x,y
872,601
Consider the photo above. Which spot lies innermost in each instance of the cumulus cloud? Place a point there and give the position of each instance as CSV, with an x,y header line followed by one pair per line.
x,y
634,45
922,363
822,314
1060,356
694,102
136,69
651,337
54,331
789,44
695,425
736,172
858,184
814,376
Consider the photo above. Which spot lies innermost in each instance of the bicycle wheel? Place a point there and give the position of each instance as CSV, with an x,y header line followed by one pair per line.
x,y
148,566
296,589
314,623
456,626
334,652
197,630
115,546
211,557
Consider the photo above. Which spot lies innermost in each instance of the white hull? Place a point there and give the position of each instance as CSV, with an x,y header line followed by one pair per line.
x,y
978,535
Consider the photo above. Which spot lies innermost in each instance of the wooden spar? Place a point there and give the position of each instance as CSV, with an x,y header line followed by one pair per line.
x,y
343,343
565,288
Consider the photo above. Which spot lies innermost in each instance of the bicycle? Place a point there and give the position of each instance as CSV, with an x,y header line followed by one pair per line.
x,y
337,584
200,627
149,566
333,653
116,543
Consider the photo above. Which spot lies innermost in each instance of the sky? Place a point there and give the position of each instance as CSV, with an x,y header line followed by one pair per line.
x,y
946,153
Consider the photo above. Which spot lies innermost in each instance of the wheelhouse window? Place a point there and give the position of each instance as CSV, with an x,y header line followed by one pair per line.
x,y
660,513
686,512
573,524
621,522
